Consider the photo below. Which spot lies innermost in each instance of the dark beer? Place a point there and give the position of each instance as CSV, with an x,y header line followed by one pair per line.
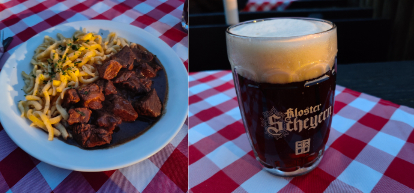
x,y
284,72
300,114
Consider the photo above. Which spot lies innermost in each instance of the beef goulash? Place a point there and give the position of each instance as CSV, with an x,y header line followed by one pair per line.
x,y
112,99
93,91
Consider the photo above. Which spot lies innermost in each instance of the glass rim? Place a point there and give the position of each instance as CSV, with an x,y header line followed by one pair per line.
x,y
333,26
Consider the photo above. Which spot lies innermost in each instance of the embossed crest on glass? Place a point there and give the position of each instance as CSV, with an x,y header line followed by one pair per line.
x,y
284,71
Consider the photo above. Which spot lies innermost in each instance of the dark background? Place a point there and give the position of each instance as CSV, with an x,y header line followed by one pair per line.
x,y
375,41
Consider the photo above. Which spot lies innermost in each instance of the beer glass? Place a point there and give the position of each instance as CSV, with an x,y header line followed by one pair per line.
x,y
284,72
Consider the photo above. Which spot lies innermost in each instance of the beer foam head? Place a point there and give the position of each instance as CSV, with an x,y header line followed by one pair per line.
x,y
282,50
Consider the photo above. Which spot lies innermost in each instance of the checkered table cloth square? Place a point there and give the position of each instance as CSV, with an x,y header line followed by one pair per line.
x,y
166,171
267,5
370,147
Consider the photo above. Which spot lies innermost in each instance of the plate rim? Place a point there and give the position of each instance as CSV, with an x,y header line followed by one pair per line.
x,y
180,121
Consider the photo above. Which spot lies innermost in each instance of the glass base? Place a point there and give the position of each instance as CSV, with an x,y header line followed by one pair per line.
x,y
300,171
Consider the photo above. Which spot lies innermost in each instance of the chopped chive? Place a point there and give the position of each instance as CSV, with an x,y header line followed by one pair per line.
x,y
81,113
61,47
75,47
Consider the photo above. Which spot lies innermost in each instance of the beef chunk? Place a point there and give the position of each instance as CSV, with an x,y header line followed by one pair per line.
x,y
71,97
125,57
79,115
123,76
91,96
106,86
146,83
156,64
147,57
150,105
139,47
138,84
90,136
124,93
141,54
124,109
101,84
108,121
95,104
137,54
109,69
110,88
143,69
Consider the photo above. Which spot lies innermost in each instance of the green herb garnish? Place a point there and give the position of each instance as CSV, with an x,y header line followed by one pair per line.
x,y
75,47
74,39
61,47
81,113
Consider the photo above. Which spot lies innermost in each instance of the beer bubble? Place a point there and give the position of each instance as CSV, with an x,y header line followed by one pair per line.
x,y
282,50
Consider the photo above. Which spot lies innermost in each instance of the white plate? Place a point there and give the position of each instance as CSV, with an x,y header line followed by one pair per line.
x,y
57,153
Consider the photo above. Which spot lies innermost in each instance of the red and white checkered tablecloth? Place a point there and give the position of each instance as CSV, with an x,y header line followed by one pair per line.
x,y
267,5
370,147
166,171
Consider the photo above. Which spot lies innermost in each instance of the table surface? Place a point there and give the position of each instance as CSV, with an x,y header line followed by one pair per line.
x,y
267,5
165,171
370,146
393,81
